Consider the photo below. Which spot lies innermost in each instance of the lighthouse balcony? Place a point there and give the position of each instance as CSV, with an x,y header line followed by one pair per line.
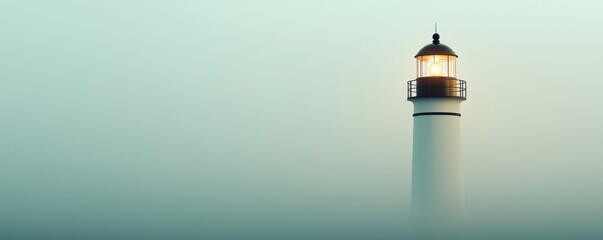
x,y
428,87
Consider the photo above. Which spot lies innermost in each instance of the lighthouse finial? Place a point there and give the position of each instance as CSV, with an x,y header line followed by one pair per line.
x,y
436,36
436,39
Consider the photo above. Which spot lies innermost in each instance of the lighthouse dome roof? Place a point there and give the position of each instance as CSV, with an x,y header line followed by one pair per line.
x,y
436,48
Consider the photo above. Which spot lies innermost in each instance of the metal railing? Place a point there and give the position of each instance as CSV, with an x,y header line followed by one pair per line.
x,y
437,87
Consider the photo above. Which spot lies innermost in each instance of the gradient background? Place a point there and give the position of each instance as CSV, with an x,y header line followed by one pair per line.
x,y
289,119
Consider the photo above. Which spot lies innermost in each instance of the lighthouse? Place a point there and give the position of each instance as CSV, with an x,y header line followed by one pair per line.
x,y
437,198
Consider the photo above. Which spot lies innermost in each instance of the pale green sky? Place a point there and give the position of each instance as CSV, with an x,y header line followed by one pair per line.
x,y
283,119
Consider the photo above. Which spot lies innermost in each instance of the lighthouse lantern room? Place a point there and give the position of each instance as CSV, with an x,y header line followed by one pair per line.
x,y
436,73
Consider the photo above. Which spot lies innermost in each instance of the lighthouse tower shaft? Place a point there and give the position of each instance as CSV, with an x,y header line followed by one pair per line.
x,y
438,194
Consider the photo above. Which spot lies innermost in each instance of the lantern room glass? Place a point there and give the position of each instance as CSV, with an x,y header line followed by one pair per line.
x,y
436,66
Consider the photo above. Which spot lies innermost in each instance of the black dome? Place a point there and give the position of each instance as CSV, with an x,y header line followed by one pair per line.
x,y
436,48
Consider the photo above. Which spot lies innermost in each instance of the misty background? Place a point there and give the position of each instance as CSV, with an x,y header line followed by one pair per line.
x,y
289,119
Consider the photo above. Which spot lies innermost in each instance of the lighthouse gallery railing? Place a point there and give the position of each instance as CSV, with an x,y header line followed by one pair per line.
x,y
437,87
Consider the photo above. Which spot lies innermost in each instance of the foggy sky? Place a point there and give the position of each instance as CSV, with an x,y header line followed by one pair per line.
x,y
289,119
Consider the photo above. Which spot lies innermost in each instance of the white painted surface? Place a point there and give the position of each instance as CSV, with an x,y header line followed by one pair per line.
x,y
437,201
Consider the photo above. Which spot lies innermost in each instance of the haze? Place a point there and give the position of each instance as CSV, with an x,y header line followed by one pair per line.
x,y
289,120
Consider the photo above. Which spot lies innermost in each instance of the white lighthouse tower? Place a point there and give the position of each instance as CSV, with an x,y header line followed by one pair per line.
x,y
437,202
